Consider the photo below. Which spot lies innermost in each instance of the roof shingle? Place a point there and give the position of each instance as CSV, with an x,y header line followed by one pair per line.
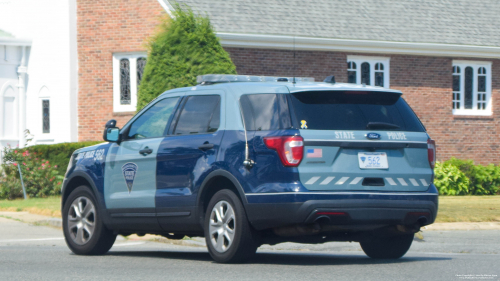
x,y
463,22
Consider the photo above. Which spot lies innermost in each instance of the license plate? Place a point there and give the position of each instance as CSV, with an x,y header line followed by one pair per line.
x,y
373,160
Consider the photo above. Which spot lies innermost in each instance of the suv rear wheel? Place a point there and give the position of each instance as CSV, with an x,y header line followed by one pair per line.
x,y
84,231
228,234
392,247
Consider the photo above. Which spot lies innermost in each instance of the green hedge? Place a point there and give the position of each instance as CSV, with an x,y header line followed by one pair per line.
x,y
43,168
463,177
58,154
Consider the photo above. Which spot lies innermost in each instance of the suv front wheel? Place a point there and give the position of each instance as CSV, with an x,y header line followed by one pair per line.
x,y
84,231
228,234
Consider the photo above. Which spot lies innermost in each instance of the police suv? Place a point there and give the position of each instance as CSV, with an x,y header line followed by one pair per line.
x,y
252,160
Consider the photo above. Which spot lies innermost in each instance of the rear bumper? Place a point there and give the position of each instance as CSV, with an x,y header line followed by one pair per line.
x,y
269,210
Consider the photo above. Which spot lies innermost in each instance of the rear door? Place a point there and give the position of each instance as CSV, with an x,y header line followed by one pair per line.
x,y
186,156
360,141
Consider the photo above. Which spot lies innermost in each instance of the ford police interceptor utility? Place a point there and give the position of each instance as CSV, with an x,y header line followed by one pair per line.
x,y
247,160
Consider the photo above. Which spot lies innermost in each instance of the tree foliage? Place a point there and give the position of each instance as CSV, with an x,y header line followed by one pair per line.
x,y
184,47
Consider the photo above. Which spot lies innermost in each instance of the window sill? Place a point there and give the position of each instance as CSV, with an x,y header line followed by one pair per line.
x,y
124,113
473,117
471,113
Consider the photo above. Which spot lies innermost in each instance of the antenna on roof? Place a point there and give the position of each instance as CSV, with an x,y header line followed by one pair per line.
x,y
293,60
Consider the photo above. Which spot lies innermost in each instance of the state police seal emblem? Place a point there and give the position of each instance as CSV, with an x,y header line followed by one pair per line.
x,y
129,172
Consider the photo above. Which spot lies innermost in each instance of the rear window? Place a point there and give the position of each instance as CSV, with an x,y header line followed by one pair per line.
x,y
343,110
264,112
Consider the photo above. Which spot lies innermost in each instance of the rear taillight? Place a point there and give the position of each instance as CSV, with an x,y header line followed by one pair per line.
x,y
289,148
431,152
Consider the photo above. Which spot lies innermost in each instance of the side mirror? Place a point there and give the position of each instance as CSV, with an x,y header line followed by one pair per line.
x,y
111,132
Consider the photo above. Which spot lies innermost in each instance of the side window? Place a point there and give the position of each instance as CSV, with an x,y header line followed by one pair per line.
x,y
152,123
200,114
264,112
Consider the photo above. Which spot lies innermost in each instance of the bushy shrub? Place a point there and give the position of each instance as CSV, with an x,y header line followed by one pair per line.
x,y
58,154
40,177
485,180
185,47
43,168
10,188
449,180
482,180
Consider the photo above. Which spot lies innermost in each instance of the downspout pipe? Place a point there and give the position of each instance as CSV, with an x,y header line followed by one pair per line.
x,y
22,71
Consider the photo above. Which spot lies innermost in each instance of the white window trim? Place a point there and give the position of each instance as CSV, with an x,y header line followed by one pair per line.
x,y
44,137
475,66
117,107
372,61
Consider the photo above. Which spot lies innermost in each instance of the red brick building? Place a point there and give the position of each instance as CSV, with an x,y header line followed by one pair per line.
x,y
446,65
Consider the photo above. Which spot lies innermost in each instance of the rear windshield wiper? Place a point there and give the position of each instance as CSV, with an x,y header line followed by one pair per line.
x,y
381,125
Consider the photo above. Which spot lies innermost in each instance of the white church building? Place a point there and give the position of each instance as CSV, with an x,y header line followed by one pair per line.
x,y
38,72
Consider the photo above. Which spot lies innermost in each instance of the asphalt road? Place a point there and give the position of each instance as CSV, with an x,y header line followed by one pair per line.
x,y
31,252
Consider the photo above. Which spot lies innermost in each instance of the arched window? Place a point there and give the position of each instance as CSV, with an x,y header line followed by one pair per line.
x,y
351,72
365,73
125,97
471,88
456,87
468,87
46,116
379,74
368,70
128,69
9,112
481,88
141,63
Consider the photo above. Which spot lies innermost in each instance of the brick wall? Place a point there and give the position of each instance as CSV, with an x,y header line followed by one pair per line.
x,y
424,81
105,27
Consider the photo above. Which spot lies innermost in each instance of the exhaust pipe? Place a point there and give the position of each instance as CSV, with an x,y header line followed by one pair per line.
x,y
422,221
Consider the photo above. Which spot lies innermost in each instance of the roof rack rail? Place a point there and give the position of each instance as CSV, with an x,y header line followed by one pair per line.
x,y
226,78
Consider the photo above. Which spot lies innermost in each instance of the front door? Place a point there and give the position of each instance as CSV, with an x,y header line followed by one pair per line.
x,y
185,156
130,172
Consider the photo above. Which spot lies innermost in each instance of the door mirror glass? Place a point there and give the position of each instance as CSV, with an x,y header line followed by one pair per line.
x,y
112,134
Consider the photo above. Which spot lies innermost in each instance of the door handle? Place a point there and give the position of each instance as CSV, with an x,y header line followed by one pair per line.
x,y
206,146
145,151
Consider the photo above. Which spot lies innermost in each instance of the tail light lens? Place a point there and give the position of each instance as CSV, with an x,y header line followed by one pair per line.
x,y
431,152
289,148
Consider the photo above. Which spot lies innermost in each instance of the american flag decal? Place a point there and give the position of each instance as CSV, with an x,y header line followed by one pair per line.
x,y
314,153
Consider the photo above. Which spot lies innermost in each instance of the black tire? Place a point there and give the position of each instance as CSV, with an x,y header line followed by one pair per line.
x,y
244,243
101,239
387,247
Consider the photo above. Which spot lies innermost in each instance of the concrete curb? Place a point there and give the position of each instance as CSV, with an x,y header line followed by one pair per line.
x,y
54,222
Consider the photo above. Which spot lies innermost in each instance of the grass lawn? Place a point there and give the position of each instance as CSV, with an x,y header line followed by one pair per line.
x,y
469,208
451,208
43,206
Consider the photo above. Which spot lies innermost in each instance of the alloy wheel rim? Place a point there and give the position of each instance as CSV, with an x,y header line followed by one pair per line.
x,y
81,220
222,226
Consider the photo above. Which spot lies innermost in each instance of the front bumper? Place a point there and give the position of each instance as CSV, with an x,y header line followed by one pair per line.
x,y
270,210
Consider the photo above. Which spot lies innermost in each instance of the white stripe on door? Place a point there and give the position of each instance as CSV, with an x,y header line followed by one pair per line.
x,y
327,181
414,182
402,181
342,180
390,181
312,180
424,182
356,180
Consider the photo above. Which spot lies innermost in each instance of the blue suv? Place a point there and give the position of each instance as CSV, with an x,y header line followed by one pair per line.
x,y
247,160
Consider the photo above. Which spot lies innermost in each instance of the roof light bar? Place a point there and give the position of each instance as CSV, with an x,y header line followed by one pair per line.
x,y
226,78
